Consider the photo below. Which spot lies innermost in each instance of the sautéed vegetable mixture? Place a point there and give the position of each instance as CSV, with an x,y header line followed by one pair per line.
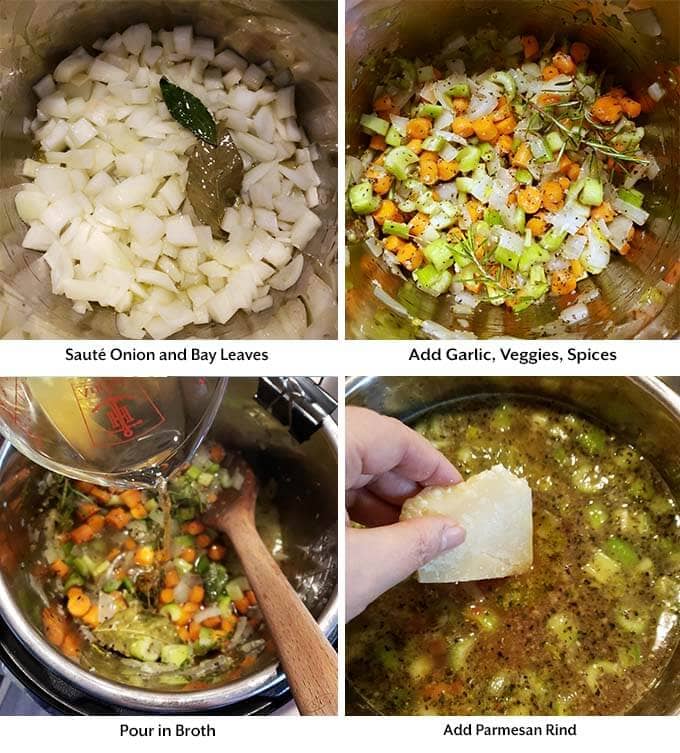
x,y
586,631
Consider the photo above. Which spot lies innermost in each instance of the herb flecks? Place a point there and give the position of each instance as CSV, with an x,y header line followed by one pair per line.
x,y
189,111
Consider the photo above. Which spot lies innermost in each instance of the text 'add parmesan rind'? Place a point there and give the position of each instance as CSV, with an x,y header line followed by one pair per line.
x,y
494,508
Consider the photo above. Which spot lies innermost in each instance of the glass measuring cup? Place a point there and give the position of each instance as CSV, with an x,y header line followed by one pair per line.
x,y
126,432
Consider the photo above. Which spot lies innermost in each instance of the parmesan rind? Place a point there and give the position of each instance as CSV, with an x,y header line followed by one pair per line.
x,y
494,507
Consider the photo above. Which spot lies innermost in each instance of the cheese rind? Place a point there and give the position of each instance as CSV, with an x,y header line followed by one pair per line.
x,y
494,507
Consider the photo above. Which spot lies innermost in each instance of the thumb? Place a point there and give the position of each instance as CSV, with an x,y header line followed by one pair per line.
x,y
379,558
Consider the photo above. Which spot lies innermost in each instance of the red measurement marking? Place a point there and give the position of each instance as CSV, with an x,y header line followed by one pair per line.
x,y
15,408
108,404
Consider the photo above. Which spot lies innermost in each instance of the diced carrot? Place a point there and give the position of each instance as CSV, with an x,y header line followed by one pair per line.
x,y
549,98
183,633
460,105
167,596
579,52
144,556
625,249
188,554
71,645
129,544
564,64
382,184
501,111
537,226
504,144
428,169
630,107
79,604
248,661
131,498
229,623
212,622
447,170
194,630
673,274
393,243
485,129
86,509
418,128
203,540
250,595
378,142
506,126
216,552
607,109
529,199
522,156
574,171
415,145
82,534
103,495
602,212
197,594
530,46
410,256
549,73
55,625
462,126
60,568
217,453
242,605
576,267
387,211
118,518
84,486
434,691
96,523
171,578
562,281
564,182
553,196
474,209
564,164
381,104
91,617
418,223
193,527
138,512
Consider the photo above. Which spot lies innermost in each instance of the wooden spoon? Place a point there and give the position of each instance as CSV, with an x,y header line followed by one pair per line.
x,y
308,659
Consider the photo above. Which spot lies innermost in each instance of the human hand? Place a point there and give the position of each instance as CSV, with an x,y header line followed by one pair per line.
x,y
387,462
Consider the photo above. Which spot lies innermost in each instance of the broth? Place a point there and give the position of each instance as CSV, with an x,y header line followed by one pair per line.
x,y
586,631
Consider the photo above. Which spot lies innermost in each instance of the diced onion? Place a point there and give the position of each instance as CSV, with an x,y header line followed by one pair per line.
x,y
639,216
573,314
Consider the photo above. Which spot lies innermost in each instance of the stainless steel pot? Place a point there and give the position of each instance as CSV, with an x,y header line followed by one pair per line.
x,y
642,409
36,34
634,300
307,505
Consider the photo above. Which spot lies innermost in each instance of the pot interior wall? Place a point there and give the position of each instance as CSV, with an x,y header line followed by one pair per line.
x,y
37,34
639,410
377,30
305,500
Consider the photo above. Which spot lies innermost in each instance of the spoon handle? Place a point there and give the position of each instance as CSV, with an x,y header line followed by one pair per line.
x,y
307,658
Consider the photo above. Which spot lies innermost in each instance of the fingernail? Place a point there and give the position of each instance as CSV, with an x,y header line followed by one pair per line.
x,y
452,536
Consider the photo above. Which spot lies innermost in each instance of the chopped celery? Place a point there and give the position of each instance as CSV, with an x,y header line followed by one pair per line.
x,y
434,144
205,479
398,160
440,254
602,568
387,654
598,668
631,196
468,158
493,217
458,652
593,440
523,176
425,74
145,649
507,258
84,565
564,627
507,82
101,568
465,184
363,201
519,219
555,141
73,580
183,541
400,229
234,591
430,280
430,111
621,551
111,585
176,654
374,124
206,638
202,564
641,488
533,254
459,90
183,566
224,603
552,240
193,472
592,193
393,137
486,151
596,516
631,620
172,610
421,667
486,619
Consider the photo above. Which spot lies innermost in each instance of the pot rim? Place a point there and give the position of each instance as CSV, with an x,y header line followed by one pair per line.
x,y
132,697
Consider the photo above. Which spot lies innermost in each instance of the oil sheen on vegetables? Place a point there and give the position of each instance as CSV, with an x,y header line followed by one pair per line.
x,y
586,631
